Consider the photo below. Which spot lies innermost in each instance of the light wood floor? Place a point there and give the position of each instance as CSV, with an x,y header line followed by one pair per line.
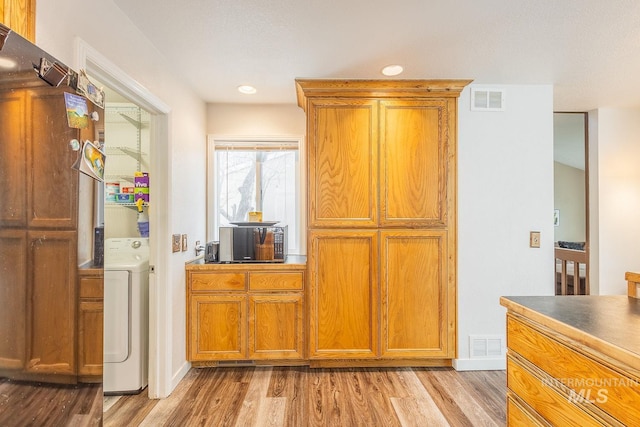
x,y
24,404
299,396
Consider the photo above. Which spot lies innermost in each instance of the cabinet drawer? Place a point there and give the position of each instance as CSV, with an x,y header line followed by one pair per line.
x,y
217,281
275,281
609,390
518,415
554,406
92,287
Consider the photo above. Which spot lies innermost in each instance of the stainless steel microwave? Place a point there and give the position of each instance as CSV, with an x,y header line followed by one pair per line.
x,y
251,243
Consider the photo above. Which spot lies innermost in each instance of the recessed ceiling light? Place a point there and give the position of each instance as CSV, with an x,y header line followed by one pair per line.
x,y
392,70
7,63
247,90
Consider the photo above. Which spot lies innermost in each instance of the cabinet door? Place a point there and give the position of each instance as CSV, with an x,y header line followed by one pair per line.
x,y
52,194
218,327
90,336
343,163
418,311
415,159
343,294
90,324
20,16
52,299
13,160
275,326
13,299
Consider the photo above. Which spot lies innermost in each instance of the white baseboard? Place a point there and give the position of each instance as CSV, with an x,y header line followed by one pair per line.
x,y
179,375
498,364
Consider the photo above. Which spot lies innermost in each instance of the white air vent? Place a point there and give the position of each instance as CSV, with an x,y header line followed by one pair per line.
x,y
486,346
487,99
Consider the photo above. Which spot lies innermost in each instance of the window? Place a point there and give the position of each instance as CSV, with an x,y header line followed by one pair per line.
x,y
255,175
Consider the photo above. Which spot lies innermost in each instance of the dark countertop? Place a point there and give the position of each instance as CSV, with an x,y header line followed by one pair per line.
x,y
90,266
293,262
610,324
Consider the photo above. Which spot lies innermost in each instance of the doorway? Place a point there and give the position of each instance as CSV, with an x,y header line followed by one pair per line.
x,y
571,203
102,69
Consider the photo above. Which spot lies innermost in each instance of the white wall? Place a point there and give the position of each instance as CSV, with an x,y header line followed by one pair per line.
x,y
618,196
505,190
106,29
255,120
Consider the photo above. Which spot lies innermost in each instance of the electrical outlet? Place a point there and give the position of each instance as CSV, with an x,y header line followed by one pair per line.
x,y
534,239
184,242
175,243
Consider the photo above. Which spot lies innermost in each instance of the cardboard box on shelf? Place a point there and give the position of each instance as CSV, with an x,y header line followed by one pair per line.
x,y
141,186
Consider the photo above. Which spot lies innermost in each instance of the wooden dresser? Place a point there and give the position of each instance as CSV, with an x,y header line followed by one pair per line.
x,y
573,361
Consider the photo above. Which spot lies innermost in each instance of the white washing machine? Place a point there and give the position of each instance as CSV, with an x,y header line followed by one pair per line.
x,y
126,315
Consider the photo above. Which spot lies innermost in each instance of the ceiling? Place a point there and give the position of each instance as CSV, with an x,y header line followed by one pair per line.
x,y
589,50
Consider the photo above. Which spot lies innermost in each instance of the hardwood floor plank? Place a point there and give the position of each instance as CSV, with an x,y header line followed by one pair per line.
x,y
377,386
291,383
271,412
109,401
445,399
419,409
256,397
163,409
324,406
461,402
358,409
489,389
129,410
215,399
301,396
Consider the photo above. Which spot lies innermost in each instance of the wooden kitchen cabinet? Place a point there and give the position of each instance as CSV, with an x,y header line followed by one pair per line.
x,y
51,304
20,16
417,320
382,218
39,234
245,312
217,331
342,160
417,162
573,362
13,294
90,324
275,326
343,294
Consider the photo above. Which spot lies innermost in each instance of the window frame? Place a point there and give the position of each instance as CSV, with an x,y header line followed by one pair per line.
x,y
255,142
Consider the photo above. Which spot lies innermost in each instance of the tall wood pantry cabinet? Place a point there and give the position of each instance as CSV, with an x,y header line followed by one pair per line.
x,y
38,234
381,219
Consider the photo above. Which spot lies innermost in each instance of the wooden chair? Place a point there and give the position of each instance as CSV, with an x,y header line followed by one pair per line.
x,y
571,283
634,284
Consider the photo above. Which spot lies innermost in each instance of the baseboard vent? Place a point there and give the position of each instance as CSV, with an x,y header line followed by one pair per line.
x,y
483,346
487,99
228,363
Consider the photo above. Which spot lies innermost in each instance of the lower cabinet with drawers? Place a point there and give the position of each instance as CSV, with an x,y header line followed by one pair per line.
x,y
573,361
245,312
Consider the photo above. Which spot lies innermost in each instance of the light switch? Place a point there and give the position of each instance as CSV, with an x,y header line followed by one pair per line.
x,y
184,242
534,239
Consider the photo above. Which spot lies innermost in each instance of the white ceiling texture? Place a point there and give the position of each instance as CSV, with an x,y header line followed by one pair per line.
x,y
588,49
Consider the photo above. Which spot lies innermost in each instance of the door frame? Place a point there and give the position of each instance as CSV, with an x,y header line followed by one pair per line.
x,y
160,343
587,192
